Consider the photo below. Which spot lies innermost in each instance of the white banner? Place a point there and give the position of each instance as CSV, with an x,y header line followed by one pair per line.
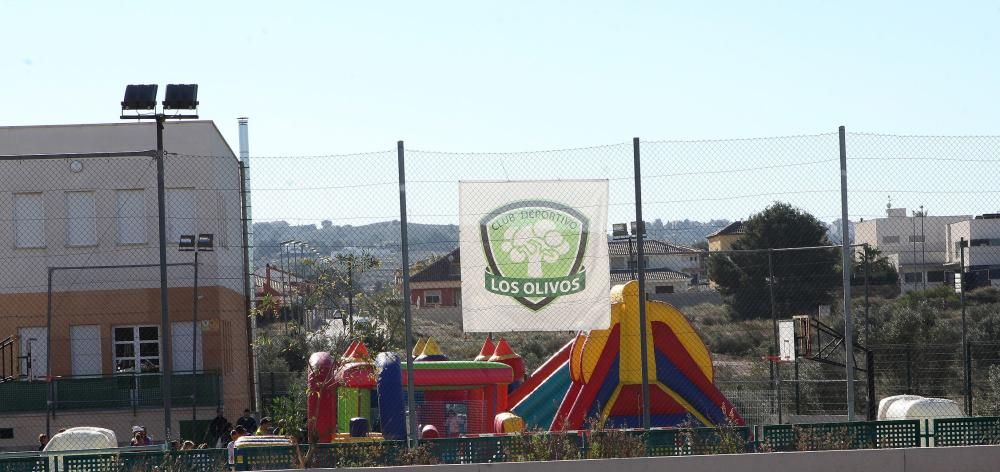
x,y
534,255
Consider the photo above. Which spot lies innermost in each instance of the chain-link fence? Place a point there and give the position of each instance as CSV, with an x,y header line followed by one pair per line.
x,y
741,239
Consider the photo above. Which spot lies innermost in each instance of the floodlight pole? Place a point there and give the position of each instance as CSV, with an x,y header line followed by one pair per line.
x,y
194,338
166,367
185,101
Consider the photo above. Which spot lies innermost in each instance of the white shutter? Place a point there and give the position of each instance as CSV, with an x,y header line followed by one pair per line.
x,y
33,345
81,223
180,332
180,213
85,349
29,220
131,216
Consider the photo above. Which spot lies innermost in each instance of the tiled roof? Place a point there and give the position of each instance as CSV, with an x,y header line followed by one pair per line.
x,y
736,227
624,247
440,269
652,275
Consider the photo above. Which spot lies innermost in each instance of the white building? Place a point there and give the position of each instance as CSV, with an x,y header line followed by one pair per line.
x,y
104,336
670,268
982,249
917,244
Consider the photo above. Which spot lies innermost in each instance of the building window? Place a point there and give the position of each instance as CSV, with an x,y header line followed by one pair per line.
x,y
979,242
890,239
187,340
917,238
665,289
935,276
131,216
81,219
180,212
29,220
137,349
432,297
913,277
994,274
617,262
85,349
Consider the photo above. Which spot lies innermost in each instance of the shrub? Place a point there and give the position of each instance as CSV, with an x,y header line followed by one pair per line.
x,y
610,443
546,446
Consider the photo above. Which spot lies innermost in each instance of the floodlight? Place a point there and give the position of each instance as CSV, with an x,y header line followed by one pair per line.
x,y
640,229
186,242
181,97
206,241
619,229
139,97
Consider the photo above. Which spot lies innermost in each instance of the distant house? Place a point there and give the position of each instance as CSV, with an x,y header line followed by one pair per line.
x,y
670,268
658,281
917,245
439,284
982,250
723,239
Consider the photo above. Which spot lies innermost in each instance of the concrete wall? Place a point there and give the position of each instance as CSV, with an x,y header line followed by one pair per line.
x,y
965,459
27,426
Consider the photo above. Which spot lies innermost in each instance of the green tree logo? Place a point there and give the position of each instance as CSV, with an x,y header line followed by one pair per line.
x,y
535,243
534,251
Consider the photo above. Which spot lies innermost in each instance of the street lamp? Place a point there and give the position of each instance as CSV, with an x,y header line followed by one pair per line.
x,y
189,243
140,99
923,244
288,272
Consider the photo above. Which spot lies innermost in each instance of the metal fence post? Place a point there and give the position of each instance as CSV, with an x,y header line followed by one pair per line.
x,y
48,359
968,375
640,230
407,317
775,349
965,331
868,265
870,366
845,268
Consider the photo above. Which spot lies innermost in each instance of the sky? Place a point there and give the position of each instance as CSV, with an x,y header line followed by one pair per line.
x,y
319,78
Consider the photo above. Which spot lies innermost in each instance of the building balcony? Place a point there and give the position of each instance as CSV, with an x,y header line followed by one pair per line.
x,y
112,392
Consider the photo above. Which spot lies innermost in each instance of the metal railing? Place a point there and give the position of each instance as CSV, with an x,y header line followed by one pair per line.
x,y
537,446
119,391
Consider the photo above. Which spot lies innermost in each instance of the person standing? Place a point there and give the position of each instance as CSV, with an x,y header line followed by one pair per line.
x,y
265,427
43,439
237,433
247,421
218,430
452,426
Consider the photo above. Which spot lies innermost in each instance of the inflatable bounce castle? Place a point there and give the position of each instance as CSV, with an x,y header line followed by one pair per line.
x,y
594,376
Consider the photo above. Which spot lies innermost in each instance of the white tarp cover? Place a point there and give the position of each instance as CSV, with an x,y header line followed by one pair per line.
x,y
534,255
78,439
81,438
